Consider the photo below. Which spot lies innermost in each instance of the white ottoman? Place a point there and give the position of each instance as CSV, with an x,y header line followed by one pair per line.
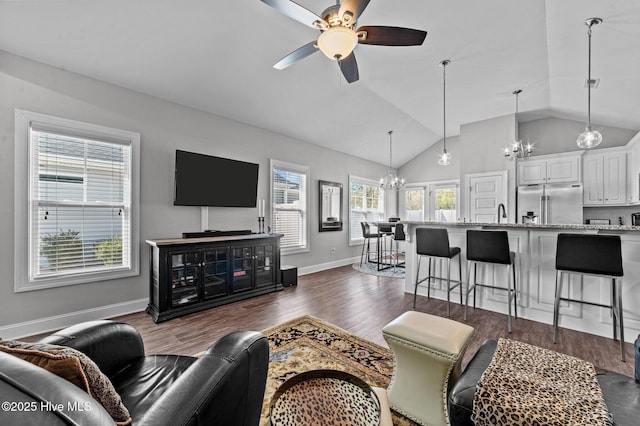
x,y
427,349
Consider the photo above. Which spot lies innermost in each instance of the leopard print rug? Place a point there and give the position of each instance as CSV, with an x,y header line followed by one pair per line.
x,y
308,343
528,385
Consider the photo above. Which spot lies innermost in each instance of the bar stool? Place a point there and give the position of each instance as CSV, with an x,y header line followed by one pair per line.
x,y
591,255
398,235
490,247
434,243
385,232
367,235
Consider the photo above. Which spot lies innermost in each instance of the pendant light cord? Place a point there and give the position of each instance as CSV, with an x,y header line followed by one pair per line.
x,y
589,82
390,162
516,132
444,104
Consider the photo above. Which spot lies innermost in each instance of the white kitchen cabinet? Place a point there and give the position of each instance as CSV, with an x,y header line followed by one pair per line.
x,y
559,168
605,178
633,171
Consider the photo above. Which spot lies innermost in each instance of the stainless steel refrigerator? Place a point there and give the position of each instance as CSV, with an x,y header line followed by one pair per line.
x,y
550,204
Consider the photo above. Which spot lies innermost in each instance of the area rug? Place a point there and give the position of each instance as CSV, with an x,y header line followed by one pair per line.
x,y
308,343
372,268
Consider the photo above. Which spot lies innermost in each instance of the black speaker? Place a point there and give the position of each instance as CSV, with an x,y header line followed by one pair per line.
x,y
289,275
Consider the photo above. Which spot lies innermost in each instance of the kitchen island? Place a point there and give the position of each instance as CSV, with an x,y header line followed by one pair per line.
x,y
535,246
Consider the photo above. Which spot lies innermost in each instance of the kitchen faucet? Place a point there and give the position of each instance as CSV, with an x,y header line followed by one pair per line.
x,y
504,212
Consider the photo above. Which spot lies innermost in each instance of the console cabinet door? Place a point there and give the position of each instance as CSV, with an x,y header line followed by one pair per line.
x,y
184,271
242,261
265,265
215,272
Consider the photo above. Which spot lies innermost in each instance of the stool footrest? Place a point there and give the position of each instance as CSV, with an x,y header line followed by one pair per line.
x,y
585,302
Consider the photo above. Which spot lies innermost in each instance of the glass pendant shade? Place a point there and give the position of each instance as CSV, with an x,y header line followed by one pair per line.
x,y
444,159
337,42
589,138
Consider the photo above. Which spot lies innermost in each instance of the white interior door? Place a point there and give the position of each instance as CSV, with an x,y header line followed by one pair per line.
x,y
485,192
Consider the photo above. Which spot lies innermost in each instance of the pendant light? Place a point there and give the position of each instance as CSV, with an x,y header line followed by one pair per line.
x,y
391,182
445,158
517,149
589,138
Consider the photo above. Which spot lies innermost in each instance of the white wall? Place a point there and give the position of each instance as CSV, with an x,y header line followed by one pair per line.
x,y
553,135
164,127
425,168
481,146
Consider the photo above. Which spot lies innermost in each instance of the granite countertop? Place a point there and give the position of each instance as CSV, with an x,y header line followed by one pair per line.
x,y
605,228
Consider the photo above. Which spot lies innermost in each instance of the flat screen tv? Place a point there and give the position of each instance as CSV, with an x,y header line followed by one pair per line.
x,y
205,180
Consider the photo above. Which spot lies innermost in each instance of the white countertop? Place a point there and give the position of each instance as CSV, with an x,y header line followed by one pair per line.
x,y
625,228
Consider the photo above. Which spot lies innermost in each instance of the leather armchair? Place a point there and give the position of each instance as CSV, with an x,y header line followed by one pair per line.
x,y
224,386
621,393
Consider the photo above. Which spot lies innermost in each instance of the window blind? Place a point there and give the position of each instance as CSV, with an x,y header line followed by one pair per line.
x,y
289,200
80,201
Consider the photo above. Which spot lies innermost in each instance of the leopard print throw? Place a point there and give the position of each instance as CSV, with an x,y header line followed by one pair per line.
x,y
528,385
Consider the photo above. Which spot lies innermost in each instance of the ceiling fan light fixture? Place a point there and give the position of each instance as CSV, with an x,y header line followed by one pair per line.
x,y
337,42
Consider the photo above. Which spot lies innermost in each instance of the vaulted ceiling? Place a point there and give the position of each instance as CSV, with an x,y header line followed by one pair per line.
x,y
217,56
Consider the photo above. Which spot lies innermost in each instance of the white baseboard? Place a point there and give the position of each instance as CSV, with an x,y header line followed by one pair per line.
x,y
324,266
56,322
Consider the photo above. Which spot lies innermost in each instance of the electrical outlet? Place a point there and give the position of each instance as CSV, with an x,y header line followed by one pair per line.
x,y
332,250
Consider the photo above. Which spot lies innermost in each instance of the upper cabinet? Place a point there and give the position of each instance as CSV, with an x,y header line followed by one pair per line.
x,y
605,177
633,170
559,168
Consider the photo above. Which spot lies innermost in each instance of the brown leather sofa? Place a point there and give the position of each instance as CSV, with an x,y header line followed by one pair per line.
x,y
225,386
621,393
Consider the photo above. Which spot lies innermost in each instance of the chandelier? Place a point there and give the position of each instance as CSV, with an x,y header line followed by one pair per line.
x,y
589,138
517,148
444,159
391,182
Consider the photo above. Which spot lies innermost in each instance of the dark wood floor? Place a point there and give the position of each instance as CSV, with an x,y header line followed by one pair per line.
x,y
362,304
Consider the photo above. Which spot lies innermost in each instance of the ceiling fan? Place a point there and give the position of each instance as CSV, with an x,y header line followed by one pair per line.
x,y
337,35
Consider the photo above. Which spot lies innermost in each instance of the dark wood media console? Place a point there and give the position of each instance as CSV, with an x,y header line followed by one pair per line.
x,y
191,274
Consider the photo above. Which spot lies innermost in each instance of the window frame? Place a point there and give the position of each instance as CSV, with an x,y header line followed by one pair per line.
x,y
303,170
429,189
23,199
382,208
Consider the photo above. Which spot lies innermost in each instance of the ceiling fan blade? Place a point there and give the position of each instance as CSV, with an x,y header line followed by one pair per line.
x,y
295,11
391,36
349,68
356,7
296,55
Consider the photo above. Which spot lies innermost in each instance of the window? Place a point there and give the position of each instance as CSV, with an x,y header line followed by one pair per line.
x,y
444,201
366,204
414,204
289,201
76,202
434,202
